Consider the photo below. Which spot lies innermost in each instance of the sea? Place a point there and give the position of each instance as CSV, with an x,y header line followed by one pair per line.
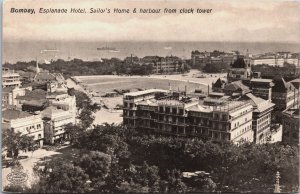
x,y
15,51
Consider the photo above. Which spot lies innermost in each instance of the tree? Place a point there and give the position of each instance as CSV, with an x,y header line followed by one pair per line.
x,y
15,141
108,139
87,118
97,166
174,182
60,176
75,133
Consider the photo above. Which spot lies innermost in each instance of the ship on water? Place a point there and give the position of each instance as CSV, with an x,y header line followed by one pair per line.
x,y
109,49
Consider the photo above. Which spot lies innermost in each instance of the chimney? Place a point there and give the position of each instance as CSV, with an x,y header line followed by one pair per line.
x,y
185,89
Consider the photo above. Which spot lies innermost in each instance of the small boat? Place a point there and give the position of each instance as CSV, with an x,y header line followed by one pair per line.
x,y
168,48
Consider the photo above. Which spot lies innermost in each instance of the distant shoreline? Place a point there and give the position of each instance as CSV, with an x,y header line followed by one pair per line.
x,y
15,51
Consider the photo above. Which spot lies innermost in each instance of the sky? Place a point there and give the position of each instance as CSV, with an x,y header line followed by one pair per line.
x,y
234,20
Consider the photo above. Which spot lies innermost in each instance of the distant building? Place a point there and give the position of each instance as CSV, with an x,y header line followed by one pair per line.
x,y
219,85
54,121
10,94
239,70
25,123
291,125
199,59
164,65
132,60
10,78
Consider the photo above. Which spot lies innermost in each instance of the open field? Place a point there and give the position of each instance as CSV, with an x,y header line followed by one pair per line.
x,y
102,84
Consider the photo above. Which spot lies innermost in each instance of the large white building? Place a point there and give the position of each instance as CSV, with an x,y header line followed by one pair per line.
x,y
10,78
25,123
164,112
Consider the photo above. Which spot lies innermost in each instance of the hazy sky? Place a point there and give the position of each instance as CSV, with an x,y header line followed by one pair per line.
x,y
237,20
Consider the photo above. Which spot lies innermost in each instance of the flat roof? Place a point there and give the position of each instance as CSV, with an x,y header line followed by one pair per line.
x,y
15,114
261,80
139,93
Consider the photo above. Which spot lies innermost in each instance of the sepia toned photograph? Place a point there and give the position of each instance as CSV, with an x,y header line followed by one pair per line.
x,y
150,96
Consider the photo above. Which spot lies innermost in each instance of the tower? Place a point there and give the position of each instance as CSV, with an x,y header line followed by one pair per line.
x,y
277,186
37,67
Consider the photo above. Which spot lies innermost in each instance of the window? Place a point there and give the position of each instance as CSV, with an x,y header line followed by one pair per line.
x,y
174,111
181,111
161,109
167,110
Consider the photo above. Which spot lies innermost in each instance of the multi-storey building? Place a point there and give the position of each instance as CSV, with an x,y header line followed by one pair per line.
x,y
26,123
291,125
173,114
169,64
232,121
199,59
130,104
284,94
262,88
261,118
54,123
63,101
10,78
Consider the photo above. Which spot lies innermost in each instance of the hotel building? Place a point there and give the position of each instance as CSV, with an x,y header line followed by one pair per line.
x,y
163,112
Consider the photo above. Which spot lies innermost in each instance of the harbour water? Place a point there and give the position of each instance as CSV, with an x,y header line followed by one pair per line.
x,y
29,50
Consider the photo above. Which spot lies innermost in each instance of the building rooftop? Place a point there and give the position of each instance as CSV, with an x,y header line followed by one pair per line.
x,y
139,93
231,105
151,102
239,63
10,114
259,103
37,103
51,111
296,82
200,108
280,85
294,112
44,76
219,83
236,86
33,95
7,89
261,80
